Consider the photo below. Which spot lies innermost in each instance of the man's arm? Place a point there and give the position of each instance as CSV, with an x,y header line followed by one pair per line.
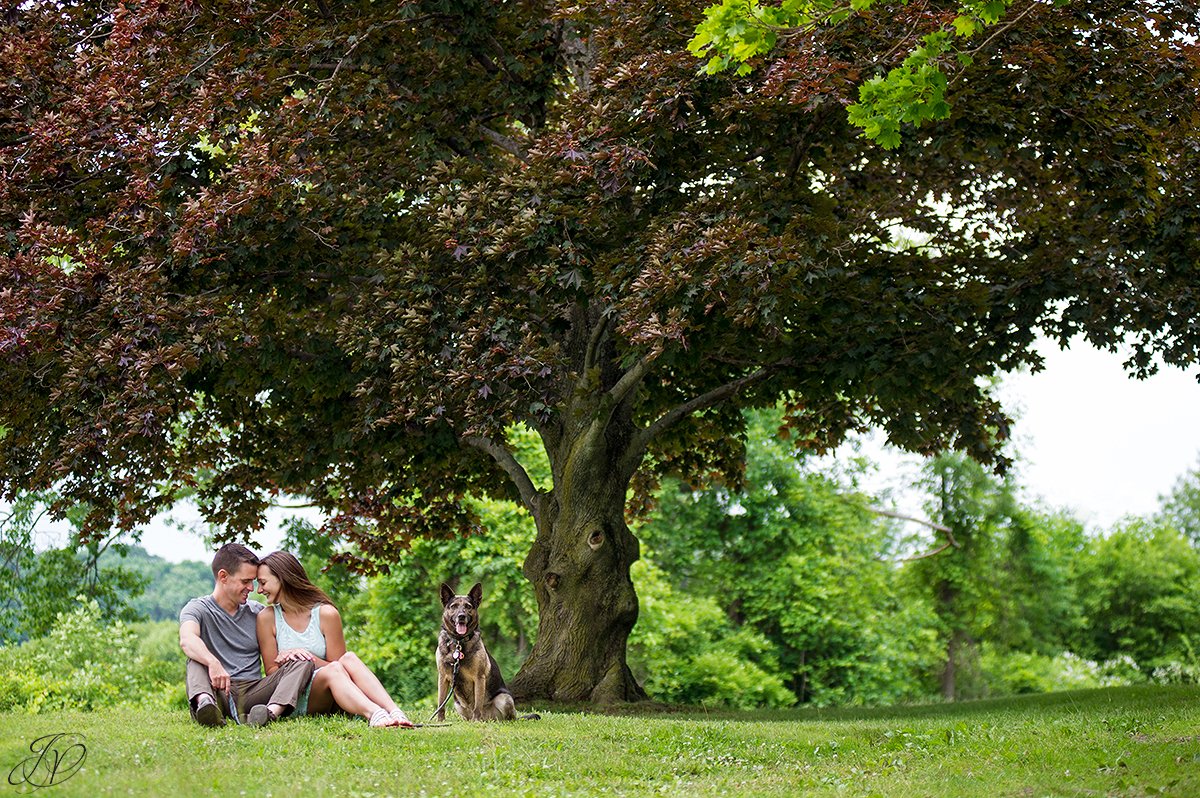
x,y
194,648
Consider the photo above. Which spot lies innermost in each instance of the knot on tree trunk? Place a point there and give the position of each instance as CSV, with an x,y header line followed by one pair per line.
x,y
587,606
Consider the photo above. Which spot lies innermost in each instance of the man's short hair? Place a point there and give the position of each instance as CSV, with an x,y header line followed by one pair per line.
x,y
230,557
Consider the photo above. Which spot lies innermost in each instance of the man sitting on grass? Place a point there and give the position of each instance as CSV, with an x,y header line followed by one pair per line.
x,y
218,633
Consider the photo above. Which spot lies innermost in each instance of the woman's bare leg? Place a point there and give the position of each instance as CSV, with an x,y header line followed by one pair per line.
x,y
332,685
366,681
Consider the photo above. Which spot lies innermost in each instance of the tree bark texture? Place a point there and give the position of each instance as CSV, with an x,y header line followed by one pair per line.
x,y
947,599
954,654
579,567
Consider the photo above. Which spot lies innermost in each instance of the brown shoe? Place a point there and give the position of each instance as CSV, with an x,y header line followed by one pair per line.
x,y
209,714
259,715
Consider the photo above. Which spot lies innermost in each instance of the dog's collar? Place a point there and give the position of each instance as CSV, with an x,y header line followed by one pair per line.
x,y
460,640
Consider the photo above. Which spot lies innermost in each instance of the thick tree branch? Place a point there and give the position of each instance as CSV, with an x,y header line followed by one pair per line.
x,y
950,541
930,524
591,357
341,62
705,400
631,379
579,54
516,472
938,550
505,143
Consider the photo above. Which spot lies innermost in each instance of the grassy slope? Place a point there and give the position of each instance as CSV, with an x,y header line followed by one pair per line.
x,y
1129,741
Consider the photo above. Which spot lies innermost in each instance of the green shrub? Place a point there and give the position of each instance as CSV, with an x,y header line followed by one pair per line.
x,y
684,650
1021,672
84,663
1184,671
1140,589
160,665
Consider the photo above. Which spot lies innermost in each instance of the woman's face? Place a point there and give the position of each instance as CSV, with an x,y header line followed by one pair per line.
x,y
268,584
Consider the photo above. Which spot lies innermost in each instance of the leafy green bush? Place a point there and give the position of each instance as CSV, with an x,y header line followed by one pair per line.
x,y
796,559
84,663
1021,672
684,650
1140,590
1183,671
160,665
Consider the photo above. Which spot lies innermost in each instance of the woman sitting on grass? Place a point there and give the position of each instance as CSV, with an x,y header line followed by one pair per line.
x,y
341,681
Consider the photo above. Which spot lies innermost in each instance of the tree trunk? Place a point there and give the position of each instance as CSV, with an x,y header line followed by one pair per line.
x,y
947,604
579,567
954,649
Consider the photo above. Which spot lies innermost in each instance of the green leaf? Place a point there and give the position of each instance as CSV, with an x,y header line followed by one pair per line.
x,y
991,12
964,26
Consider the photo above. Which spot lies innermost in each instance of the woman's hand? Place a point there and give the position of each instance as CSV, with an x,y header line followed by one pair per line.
x,y
293,654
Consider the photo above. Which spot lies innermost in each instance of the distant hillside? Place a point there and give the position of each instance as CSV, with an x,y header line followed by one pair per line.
x,y
171,584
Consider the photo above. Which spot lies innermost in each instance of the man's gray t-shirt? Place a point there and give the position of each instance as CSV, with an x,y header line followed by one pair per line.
x,y
233,639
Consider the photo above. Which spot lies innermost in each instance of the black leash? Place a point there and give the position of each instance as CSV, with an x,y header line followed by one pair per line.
x,y
457,655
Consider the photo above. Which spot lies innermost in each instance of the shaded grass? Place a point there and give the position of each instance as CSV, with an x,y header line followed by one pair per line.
x,y
1127,741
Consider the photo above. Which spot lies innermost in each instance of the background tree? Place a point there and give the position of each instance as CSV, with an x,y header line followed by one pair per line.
x,y
337,249
796,557
168,585
1181,507
974,507
1010,585
1139,588
42,581
1037,606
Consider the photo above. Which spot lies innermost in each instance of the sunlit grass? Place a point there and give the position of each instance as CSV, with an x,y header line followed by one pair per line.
x,y
1127,741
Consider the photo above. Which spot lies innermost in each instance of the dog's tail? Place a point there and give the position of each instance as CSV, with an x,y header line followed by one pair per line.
x,y
530,716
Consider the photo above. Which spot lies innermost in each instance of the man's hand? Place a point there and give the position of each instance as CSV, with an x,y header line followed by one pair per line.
x,y
293,654
218,676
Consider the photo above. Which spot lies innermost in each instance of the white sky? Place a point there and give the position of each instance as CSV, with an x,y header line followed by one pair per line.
x,y
181,537
1099,442
1088,438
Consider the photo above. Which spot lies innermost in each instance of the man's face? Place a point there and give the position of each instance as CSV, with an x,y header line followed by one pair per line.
x,y
238,586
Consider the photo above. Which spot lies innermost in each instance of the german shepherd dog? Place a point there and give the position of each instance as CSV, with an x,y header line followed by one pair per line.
x,y
464,664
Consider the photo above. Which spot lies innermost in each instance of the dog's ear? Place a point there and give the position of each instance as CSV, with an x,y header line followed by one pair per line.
x,y
447,594
476,595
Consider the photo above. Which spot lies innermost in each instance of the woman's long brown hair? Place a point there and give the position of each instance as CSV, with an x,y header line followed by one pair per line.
x,y
294,584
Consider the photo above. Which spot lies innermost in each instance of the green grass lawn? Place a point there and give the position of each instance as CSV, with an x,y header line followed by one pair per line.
x,y
1128,742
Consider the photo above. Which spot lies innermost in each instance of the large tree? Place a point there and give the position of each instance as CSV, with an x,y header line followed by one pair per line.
x,y
336,249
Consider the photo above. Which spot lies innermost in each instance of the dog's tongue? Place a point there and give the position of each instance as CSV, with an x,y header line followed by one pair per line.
x,y
460,628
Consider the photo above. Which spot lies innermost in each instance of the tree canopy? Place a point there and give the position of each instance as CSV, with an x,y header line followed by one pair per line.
x,y
336,249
